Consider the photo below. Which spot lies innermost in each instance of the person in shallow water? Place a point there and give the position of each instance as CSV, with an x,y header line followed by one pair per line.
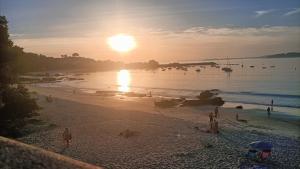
x,y
269,112
67,136
272,103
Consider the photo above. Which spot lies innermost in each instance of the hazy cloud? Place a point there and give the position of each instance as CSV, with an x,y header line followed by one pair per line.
x,y
244,31
292,12
263,12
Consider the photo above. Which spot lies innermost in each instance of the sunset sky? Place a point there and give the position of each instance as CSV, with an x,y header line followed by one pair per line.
x,y
165,30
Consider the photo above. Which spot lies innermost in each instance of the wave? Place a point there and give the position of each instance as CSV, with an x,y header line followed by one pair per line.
x,y
263,104
177,92
262,94
224,92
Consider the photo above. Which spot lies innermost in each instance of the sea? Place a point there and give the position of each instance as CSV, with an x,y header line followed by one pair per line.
x,y
253,83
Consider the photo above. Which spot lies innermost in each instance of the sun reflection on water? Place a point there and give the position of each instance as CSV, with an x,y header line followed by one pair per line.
x,y
123,80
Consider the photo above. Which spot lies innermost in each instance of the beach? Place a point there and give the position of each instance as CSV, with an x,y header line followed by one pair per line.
x,y
164,138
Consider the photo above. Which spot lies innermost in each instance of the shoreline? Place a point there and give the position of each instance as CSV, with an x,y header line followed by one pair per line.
x,y
282,110
170,138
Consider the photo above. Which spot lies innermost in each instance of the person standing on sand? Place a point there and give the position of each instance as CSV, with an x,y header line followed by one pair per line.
x,y
216,126
216,112
269,112
67,136
211,119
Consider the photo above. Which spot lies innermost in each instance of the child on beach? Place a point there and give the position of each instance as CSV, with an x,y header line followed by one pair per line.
x,y
269,112
216,126
67,136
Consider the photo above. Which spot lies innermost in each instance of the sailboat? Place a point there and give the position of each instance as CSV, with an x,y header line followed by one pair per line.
x,y
227,68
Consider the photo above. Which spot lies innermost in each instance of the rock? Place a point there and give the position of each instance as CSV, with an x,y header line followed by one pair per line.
x,y
133,94
205,95
216,101
239,107
48,79
106,93
129,133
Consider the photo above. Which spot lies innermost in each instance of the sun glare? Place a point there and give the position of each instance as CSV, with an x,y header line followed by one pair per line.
x,y
122,42
124,80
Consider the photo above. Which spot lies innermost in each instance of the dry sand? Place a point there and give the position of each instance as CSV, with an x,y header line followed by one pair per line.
x,y
165,138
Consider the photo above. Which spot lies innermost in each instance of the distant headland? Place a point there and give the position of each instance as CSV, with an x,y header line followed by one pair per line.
x,y
279,55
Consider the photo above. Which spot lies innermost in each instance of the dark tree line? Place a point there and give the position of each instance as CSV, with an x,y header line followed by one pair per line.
x,y
31,62
16,105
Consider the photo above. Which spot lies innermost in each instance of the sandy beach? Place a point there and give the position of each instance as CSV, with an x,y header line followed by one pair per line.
x,y
164,138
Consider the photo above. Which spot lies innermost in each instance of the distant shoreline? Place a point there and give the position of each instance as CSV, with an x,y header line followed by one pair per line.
x,y
274,56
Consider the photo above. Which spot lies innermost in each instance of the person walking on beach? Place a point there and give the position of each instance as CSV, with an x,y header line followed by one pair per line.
x,y
67,136
269,112
216,112
237,116
272,103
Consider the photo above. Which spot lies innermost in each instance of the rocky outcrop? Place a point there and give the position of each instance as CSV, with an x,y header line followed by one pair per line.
x,y
207,97
17,155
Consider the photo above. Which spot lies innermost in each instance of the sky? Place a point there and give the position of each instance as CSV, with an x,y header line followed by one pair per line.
x,y
165,30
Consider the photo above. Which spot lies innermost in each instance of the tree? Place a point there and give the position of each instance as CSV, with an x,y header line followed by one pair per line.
x,y
17,109
16,105
75,54
153,64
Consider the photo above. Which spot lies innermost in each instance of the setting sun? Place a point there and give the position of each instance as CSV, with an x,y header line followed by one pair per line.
x,y
122,42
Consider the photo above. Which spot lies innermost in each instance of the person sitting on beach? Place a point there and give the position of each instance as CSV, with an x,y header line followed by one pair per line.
x,y
216,112
67,136
269,112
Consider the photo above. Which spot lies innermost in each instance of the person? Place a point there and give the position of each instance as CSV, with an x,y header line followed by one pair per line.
x,y
237,116
216,112
216,126
211,119
272,103
67,136
269,112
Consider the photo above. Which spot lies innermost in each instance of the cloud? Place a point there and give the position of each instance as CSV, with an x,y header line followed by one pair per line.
x,y
244,31
292,12
263,12
169,45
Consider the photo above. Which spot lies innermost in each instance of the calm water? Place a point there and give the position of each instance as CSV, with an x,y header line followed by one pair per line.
x,y
252,87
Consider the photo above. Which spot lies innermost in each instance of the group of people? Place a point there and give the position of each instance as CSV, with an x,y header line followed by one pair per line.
x,y
213,121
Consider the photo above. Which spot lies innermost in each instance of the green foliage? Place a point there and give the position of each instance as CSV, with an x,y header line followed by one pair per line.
x,y
16,105
16,110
